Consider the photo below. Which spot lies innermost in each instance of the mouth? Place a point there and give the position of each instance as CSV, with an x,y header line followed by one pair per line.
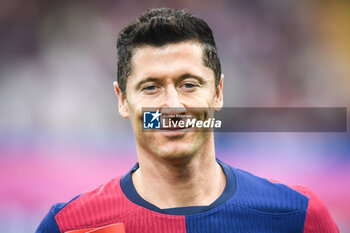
x,y
175,129
174,132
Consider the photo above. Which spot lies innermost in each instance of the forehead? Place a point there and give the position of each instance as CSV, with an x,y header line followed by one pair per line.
x,y
168,59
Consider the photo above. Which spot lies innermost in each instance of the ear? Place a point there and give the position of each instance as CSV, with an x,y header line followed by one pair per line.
x,y
219,101
122,102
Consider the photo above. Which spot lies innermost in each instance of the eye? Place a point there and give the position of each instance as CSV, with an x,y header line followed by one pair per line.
x,y
189,86
150,89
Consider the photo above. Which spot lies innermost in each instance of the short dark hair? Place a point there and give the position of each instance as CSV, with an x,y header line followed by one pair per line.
x,y
161,26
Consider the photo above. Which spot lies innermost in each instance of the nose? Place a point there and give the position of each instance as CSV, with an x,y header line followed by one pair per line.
x,y
172,104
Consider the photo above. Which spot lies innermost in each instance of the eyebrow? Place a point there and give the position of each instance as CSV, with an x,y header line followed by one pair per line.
x,y
180,78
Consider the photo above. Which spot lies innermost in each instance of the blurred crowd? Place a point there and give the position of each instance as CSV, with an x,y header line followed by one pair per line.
x,y
58,58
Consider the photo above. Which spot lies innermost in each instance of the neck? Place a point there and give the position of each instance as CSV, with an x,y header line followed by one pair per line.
x,y
197,180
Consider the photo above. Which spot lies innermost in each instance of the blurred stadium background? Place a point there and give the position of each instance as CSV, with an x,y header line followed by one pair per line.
x,y
60,132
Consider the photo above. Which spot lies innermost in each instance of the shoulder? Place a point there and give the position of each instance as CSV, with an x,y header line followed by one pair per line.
x,y
318,218
272,196
49,224
263,195
88,209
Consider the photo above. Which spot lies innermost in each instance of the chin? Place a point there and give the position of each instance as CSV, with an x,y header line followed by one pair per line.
x,y
176,151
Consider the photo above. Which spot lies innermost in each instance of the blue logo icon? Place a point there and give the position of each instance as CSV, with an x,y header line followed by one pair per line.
x,y
151,120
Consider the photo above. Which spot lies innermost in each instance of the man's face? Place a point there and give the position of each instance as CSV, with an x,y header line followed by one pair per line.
x,y
171,78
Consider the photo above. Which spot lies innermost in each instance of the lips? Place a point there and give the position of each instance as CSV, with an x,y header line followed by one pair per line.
x,y
174,128
174,132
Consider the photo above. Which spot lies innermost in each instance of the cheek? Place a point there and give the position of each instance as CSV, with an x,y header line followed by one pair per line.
x,y
139,101
134,105
134,115
203,99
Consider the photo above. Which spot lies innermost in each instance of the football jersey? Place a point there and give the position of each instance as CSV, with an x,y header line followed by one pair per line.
x,y
248,204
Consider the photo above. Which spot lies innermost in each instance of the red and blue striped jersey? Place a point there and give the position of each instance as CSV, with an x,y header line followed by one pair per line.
x,y
248,204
